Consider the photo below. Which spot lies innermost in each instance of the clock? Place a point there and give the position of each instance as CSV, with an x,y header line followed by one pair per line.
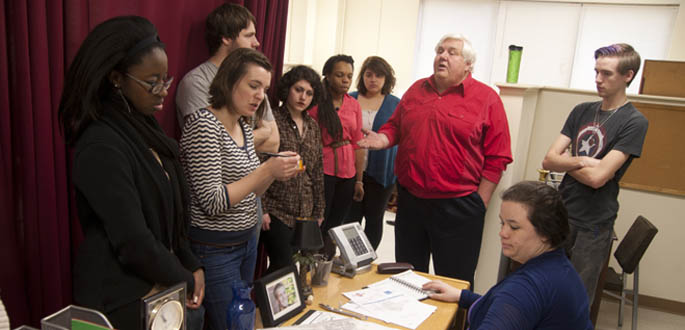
x,y
166,309
167,315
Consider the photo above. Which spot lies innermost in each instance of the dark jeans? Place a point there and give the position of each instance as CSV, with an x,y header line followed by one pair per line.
x,y
338,193
277,241
372,208
589,250
450,229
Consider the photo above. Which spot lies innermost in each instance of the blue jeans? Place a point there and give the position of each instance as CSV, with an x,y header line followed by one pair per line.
x,y
222,266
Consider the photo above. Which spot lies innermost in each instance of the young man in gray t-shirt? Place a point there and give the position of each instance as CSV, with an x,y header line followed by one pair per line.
x,y
228,27
604,137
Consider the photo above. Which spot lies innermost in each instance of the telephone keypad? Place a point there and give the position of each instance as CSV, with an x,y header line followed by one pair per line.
x,y
358,246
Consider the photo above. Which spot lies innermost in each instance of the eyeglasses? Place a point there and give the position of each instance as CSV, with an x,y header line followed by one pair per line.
x,y
155,88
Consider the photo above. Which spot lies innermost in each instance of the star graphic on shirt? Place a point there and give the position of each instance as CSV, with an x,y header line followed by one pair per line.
x,y
586,146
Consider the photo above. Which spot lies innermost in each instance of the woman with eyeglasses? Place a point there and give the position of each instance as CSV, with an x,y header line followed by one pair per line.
x,y
131,193
225,176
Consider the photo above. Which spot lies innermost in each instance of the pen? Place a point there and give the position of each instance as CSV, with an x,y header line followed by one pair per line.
x,y
273,154
343,312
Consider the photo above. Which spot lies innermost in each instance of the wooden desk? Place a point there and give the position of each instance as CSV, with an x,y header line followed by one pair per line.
x,y
442,318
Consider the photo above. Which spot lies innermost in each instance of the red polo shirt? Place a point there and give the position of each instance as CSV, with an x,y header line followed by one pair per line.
x,y
448,142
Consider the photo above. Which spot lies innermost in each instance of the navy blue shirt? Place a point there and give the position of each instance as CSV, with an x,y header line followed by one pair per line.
x,y
544,293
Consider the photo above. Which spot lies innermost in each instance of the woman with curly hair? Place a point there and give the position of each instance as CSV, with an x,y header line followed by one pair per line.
x,y
301,197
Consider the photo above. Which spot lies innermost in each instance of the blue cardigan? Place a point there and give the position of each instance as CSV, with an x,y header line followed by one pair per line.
x,y
381,164
544,293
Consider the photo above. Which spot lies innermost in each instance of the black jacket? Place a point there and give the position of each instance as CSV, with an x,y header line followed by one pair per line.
x,y
120,194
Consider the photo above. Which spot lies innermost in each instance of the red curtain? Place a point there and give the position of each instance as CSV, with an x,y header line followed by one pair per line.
x,y
38,39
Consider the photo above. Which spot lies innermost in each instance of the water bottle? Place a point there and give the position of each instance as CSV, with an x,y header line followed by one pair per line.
x,y
514,63
240,314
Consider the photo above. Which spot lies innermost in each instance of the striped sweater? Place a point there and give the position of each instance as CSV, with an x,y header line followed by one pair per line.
x,y
211,159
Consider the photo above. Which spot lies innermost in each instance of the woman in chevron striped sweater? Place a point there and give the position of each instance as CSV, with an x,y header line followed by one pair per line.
x,y
225,176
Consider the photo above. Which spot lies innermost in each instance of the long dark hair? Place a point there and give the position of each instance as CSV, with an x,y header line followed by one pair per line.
x,y
328,117
112,45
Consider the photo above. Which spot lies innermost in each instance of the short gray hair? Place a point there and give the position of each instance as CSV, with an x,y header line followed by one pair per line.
x,y
467,51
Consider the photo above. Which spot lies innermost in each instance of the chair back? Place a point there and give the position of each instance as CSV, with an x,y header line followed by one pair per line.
x,y
634,244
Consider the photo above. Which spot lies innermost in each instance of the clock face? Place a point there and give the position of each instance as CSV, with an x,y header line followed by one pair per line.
x,y
167,316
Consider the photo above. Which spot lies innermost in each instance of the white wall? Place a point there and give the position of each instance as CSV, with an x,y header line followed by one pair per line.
x,y
359,28
440,17
649,31
677,50
558,38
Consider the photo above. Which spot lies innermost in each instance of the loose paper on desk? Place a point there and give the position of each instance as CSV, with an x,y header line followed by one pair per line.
x,y
342,324
388,306
321,316
407,283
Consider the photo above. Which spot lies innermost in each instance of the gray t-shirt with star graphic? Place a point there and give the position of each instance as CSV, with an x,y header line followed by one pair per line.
x,y
623,129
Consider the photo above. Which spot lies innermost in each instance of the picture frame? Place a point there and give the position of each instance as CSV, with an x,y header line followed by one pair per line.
x,y
163,309
279,296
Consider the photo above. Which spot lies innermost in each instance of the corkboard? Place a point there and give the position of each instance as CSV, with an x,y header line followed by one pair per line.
x,y
661,168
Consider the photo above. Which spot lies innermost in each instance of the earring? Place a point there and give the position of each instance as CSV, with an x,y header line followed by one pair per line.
x,y
124,98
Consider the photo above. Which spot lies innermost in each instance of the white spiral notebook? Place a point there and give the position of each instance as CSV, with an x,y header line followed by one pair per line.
x,y
408,283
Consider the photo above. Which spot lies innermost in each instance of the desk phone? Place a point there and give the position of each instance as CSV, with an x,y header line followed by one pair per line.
x,y
356,252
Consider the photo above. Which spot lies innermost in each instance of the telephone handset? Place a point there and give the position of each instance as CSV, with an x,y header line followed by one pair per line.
x,y
356,252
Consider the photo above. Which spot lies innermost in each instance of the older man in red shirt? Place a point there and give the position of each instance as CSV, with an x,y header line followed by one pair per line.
x,y
454,144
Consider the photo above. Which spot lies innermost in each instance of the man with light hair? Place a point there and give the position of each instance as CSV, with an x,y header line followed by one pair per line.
x,y
603,137
453,145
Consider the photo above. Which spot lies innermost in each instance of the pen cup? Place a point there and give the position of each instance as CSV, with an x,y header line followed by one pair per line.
x,y
322,270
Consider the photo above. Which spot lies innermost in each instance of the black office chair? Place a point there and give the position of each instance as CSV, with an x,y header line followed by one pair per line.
x,y
628,254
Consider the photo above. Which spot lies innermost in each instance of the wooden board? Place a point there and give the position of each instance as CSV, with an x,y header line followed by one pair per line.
x,y
661,166
665,78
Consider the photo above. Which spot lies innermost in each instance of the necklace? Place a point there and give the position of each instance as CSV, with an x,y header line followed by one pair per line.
x,y
596,122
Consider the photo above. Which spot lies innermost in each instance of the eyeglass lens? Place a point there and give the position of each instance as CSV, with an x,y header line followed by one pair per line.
x,y
157,87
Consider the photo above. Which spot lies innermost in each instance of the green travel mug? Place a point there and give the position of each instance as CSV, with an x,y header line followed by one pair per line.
x,y
514,63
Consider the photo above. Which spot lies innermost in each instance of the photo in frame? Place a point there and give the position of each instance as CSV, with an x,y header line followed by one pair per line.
x,y
279,296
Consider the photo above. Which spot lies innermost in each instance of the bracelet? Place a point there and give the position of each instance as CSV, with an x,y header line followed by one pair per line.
x,y
359,181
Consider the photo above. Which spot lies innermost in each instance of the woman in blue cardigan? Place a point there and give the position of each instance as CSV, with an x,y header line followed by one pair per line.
x,y
546,291
376,81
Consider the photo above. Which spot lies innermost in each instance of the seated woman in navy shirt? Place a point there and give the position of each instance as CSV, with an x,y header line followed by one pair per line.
x,y
546,291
